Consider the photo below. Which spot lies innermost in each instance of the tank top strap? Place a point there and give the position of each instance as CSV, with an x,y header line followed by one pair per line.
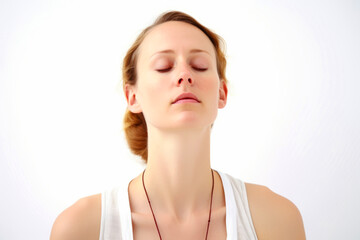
x,y
239,224
116,221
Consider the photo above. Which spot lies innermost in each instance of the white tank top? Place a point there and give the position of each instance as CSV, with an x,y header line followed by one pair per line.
x,y
116,221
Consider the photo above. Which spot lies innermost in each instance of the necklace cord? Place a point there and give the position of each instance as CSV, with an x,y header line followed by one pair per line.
x,y
157,227
212,193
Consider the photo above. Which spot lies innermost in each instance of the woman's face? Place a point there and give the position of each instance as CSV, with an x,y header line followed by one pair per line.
x,y
177,58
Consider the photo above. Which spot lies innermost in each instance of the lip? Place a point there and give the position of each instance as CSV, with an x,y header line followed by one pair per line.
x,y
189,97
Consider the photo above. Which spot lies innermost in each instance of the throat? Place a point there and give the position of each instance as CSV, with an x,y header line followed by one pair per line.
x,y
181,212
177,194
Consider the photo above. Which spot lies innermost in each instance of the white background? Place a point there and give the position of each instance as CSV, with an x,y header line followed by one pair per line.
x,y
291,123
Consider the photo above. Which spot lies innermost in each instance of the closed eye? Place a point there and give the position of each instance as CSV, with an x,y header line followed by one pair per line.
x,y
164,70
200,69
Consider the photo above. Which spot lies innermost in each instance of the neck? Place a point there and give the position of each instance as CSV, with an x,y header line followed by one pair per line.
x,y
178,174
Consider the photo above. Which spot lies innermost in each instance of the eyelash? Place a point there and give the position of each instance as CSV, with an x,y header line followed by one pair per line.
x,y
164,70
200,69
168,69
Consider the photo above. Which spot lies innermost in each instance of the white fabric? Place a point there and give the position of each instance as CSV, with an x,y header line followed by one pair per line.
x,y
116,221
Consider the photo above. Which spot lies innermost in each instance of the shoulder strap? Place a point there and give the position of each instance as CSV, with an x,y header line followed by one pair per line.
x,y
237,209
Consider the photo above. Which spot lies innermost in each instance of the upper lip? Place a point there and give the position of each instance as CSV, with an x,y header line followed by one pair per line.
x,y
186,96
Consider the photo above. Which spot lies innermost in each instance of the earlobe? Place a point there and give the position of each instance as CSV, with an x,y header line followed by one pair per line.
x,y
132,103
223,91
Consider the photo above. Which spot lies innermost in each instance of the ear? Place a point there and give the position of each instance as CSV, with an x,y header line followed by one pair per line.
x,y
223,92
132,103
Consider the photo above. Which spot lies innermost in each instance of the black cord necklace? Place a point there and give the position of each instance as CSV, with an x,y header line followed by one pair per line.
x,y
157,227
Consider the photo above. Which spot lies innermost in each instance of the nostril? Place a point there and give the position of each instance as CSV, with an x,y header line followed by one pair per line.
x,y
181,79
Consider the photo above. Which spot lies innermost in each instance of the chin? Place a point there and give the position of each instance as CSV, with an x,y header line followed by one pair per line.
x,y
189,122
185,120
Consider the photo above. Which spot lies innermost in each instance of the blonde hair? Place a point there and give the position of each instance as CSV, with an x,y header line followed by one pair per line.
x,y
134,123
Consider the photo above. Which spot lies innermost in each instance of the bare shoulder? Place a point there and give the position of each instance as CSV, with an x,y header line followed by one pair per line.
x,y
79,221
274,216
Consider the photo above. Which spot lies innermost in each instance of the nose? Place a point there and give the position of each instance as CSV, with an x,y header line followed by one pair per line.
x,y
185,77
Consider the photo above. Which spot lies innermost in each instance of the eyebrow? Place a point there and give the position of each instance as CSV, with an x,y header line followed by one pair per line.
x,y
172,51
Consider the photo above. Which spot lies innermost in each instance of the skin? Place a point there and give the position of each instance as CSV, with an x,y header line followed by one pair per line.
x,y
178,173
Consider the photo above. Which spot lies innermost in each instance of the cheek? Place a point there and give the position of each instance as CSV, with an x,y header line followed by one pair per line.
x,y
210,85
151,93
211,90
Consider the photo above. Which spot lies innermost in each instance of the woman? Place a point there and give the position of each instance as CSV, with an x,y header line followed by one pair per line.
x,y
174,83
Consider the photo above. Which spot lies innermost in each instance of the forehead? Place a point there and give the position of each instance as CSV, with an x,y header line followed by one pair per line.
x,y
176,36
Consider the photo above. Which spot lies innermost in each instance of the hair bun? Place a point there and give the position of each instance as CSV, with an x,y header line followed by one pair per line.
x,y
136,133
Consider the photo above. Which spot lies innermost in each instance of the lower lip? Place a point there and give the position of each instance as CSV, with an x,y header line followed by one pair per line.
x,y
186,101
